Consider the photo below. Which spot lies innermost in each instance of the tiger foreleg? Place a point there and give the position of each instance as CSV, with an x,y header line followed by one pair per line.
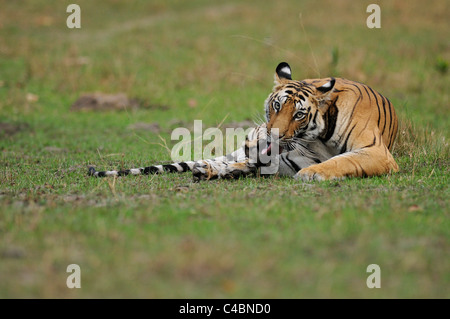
x,y
365,162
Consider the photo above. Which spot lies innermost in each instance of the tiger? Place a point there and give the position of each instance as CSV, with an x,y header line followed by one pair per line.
x,y
318,129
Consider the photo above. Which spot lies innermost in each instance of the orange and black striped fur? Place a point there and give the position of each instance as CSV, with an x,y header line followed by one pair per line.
x,y
357,124
326,129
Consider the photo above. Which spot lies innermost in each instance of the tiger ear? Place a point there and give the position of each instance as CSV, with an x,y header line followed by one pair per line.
x,y
283,73
327,87
324,92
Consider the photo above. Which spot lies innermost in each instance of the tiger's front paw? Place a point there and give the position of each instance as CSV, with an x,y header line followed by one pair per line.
x,y
313,174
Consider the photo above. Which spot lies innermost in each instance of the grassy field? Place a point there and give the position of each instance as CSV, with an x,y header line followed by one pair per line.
x,y
166,237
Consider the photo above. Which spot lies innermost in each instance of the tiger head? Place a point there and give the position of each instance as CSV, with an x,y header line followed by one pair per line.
x,y
295,109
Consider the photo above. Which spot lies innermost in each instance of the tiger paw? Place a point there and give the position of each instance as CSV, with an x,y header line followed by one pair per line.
x,y
203,171
312,174
236,170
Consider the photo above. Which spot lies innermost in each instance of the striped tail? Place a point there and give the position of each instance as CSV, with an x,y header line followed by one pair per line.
x,y
150,170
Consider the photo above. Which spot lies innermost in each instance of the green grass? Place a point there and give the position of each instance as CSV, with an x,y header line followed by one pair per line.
x,y
166,237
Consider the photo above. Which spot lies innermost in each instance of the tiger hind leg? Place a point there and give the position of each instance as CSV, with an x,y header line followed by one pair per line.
x,y
233,165
230,166
209,170
288,163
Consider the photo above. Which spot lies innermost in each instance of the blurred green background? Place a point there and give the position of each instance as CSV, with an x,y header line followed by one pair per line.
x,y
163,236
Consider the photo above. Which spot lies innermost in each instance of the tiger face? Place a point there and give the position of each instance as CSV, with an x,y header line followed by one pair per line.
x,y
294,110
